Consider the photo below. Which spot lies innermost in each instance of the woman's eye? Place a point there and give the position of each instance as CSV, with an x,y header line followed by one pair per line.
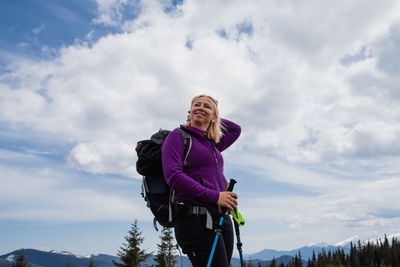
x,y
204,105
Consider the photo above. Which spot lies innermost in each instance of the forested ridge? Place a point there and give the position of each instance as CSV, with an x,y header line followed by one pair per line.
x,y
381,253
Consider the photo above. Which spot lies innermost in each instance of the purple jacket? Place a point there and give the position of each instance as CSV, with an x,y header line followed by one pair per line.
x,y
200,182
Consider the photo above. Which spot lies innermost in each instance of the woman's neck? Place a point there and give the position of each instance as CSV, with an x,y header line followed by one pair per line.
x,y
200,127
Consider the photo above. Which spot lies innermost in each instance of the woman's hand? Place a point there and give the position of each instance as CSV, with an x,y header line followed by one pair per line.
x,y
227,199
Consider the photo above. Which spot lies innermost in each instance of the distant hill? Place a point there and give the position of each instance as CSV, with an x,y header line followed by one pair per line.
x,y
39,258
307,251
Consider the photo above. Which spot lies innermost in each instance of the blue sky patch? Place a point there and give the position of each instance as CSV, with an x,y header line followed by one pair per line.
x,y
172,6
189,42
222,33
245,28
30,28
362,54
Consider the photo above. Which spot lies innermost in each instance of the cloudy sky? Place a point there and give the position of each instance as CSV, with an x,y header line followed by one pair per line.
x,y
314,85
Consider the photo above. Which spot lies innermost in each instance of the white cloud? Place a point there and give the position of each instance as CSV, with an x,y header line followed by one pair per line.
x,y
111,12
34,190
103,157
39,29
330,217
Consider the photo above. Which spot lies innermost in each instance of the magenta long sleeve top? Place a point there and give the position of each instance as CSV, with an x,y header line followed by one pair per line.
x,y
201,181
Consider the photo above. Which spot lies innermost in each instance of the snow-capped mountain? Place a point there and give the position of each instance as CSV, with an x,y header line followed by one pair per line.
x,y
67,253
307,251
53,258
373,239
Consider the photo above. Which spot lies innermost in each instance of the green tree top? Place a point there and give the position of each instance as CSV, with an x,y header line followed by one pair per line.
x,y
130,252
166,248
21,261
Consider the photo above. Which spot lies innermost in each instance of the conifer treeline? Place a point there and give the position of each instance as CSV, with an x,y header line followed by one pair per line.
x,y
378,254
369,254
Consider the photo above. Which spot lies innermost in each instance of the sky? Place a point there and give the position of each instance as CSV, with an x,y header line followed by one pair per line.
x,y
314,86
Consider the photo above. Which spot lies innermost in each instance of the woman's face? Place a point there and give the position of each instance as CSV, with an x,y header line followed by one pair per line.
x,y
202,112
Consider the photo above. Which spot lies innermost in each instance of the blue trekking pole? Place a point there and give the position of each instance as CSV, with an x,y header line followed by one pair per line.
x,y
218,231
239,243
239,221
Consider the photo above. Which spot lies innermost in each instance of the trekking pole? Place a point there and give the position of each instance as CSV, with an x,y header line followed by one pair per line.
x,y
218,231
239,243
239,221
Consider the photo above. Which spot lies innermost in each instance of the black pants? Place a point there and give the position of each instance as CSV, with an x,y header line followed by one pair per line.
x,y
196,240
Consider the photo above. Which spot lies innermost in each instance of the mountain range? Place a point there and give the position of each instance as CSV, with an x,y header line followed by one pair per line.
x,y
53,258
307,251
39,258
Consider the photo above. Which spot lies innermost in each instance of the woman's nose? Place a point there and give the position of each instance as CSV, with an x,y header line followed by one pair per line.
x,y
200,107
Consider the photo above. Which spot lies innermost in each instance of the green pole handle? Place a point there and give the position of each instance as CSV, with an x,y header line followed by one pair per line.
x,y
237,217
235,213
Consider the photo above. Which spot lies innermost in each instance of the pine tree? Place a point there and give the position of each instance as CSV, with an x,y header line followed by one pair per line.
x,y
166,256
91,264
299,262
296,261
354,255
337,258
250,263
21,261
395,252
313,261
130,253
273,263
386,252
69,264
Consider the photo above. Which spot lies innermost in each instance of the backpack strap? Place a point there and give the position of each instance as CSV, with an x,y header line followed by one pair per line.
x,y
187,141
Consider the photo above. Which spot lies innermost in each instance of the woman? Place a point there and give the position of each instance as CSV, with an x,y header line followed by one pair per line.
x,y
201,185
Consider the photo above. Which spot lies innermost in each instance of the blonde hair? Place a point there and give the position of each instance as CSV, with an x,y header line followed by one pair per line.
x,y
214,130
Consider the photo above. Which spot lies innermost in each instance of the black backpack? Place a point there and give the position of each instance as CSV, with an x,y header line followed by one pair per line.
x,y
155,190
